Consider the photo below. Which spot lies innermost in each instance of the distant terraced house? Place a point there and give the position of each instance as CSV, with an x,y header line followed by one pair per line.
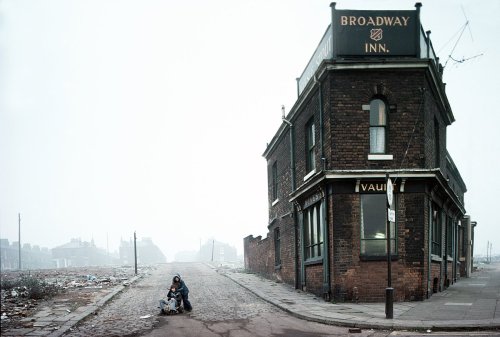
x,y
32,256
78,253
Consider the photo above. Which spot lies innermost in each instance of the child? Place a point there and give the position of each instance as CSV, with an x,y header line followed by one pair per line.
x,y
171,303
183,289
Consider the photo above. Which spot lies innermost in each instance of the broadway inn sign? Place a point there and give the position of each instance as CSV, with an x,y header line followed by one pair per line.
x,y
362,33
366,33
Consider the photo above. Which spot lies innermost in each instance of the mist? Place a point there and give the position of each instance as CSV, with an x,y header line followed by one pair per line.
x,y
151,117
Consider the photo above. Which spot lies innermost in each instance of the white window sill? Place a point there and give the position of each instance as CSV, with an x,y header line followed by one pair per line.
x,y
275,202
380,157
310,174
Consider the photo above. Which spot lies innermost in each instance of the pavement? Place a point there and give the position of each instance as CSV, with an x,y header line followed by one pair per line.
x,y
469,304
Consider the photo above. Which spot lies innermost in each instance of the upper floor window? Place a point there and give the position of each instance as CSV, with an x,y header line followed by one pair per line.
x,y
378,126
310,145
274,181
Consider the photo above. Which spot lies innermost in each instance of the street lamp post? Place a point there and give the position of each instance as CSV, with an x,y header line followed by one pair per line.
x,y
389,291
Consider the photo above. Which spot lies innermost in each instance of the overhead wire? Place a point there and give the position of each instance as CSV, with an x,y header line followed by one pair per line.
x,y
417,120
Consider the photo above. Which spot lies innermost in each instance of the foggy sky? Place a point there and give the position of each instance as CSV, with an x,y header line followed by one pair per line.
x,y
152,116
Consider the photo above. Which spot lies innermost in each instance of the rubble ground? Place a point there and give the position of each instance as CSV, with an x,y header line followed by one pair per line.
x,y
26,294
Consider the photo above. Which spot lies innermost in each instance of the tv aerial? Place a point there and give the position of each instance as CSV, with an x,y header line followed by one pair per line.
x,y
459,33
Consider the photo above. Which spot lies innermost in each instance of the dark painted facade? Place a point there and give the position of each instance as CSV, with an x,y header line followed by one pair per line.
x,y
359,118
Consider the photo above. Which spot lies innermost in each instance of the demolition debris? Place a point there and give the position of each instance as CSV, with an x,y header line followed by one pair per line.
x,y
25,295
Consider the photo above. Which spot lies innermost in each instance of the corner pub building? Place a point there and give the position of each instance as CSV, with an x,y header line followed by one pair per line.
x,y
371,103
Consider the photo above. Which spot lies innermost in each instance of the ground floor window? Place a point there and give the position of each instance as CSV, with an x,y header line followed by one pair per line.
x,y
462,248
313,232
374,225
436,233
449,236
277,247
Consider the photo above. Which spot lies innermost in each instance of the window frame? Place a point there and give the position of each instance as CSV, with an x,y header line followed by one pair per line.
x,y
449,236
436,231
462,249
366,252
310,145
378,126
274,181
313,224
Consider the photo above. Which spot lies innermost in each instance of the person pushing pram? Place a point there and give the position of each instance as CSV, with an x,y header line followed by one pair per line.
x,y
181,287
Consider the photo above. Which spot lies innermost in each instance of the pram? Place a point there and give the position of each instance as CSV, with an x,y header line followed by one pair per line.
x,y
173,305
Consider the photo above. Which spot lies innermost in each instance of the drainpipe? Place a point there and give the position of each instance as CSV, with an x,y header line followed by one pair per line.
x,y
326,244
446,230
418,28
324,206
334,40
455,251
296,251
441,271
429,248
292,173
292,147
321,123
302,284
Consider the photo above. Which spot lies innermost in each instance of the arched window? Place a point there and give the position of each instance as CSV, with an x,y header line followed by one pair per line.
x,y
378,124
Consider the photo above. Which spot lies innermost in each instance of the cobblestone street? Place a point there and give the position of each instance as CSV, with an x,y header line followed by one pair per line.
x,y
134,311
228,302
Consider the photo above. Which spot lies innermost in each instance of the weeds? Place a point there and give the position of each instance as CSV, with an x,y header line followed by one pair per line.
x,y
31,287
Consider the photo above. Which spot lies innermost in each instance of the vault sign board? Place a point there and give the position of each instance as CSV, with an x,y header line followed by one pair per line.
x,y
376,33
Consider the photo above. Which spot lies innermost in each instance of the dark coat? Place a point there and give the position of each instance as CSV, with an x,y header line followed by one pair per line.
x,y
180,286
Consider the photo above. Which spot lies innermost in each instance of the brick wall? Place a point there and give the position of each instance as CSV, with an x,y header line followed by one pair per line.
x,y
435,276
281,213
370,277
259,258
286,270
411,226
350,142
314,279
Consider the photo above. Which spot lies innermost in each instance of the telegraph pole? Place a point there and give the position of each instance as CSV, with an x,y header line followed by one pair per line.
x,y
107,248
135,253
487,251
213,243
19,233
